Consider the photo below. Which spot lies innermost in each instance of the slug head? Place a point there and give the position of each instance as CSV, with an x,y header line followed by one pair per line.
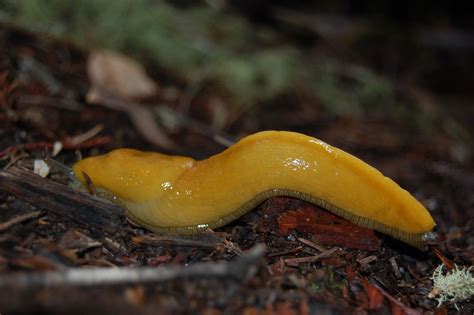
x,y
131,174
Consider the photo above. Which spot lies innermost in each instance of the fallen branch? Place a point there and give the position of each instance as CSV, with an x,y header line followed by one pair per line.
x,y
240,269
61,200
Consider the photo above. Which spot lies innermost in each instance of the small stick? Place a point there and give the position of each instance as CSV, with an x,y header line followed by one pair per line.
x,y
366,260
67,145
287,252
62,103
299,260
14,160
74,141
240,269
444,260
311,244
18,219
199,240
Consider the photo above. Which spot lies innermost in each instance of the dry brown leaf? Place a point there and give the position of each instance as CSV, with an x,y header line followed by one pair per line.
x,y
119,76
142,117
376,295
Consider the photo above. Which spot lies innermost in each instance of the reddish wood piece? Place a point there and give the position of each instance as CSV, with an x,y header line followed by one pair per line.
x,y
286,214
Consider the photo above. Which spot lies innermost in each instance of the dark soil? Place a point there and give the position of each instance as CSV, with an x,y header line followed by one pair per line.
x,y
370,273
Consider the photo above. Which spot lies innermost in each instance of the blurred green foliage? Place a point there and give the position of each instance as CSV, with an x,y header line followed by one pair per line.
x,y
349,89
248,62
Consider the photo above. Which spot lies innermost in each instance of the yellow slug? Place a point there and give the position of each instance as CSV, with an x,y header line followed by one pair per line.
x,y
179,194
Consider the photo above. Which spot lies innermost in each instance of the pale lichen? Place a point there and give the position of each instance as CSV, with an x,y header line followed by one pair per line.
x,y
452,286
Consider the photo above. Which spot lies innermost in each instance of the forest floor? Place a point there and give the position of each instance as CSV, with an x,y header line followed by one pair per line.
x,y
323,265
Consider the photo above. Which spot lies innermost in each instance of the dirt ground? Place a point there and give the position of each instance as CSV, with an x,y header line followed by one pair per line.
x,y
325,266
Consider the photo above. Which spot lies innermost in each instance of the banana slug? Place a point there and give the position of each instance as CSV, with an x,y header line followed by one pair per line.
x,y
179,194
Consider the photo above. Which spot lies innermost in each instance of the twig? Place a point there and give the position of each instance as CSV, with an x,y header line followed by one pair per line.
x,y
61,200
299,260
63,103
14,160
311,244
18,219
287,252
364,262
232,247
74,141
95,142
199,240
7,152
92,143
240,269
444,260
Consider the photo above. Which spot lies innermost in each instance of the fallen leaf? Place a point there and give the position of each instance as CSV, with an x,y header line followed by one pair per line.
x,y
119,76
141,116
144,120
374,295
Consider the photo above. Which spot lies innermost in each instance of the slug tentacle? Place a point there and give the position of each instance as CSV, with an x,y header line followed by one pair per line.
x,y
179,194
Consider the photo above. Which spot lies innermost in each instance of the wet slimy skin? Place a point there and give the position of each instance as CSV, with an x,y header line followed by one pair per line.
x,y
180,194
